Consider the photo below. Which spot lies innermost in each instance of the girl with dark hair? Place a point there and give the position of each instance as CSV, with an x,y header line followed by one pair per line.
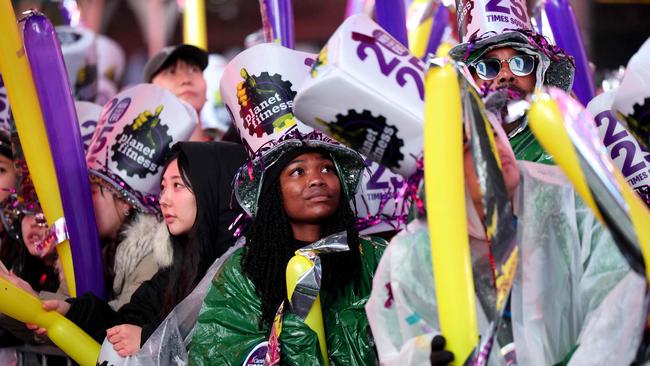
x,y
195,202
296,193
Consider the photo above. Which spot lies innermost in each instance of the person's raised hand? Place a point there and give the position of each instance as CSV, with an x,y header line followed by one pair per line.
x,y
125,339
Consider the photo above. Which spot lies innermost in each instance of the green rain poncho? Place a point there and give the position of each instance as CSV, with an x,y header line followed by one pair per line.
x,y
228,332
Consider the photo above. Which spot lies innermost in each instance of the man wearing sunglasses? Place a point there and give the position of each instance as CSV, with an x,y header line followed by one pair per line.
x,y
507,64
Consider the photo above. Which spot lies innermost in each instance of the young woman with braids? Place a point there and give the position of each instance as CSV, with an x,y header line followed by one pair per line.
x,y
196,205
296,193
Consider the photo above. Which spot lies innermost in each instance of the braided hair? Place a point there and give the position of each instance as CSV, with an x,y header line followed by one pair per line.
x,y
270,245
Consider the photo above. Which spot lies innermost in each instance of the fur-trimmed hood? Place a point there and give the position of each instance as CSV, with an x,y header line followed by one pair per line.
x,y
143,236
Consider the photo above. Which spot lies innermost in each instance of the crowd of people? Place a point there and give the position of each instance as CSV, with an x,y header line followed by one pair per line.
x,y
191,217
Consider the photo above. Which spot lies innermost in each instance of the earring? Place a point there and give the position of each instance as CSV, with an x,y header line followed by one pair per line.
x,y
127,213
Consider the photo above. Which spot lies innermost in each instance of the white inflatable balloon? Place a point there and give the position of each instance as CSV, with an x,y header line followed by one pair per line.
x,y
367,91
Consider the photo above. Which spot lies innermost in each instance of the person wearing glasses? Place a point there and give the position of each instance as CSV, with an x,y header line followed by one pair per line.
x,y
507,64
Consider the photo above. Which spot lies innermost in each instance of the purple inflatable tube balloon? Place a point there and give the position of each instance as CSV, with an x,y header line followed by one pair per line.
x,y
53,89
567,35
391,15
440,22
277,21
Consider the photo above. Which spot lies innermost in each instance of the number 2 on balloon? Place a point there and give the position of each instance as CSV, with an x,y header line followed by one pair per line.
x,y
387,67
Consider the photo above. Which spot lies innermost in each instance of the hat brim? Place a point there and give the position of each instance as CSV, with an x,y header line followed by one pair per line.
x,y
182,52
250,177
145,203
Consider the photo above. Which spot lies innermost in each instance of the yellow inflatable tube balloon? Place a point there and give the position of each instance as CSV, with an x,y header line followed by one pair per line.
x,y
27,308
295,268
419,36
194,29
31,129
546,122
446,213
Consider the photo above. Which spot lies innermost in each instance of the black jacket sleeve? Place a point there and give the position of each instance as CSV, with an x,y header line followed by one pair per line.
x,y
92,315
144,310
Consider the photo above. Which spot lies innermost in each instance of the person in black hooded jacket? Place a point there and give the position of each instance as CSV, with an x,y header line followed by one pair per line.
x,y
207,171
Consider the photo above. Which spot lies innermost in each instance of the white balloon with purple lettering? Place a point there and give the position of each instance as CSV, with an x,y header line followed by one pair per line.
x,y
626,153
367,91
258,87
378,203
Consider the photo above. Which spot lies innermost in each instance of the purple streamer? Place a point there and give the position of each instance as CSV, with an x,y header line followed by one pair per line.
x,y
567,35
440,22
60,118
391,15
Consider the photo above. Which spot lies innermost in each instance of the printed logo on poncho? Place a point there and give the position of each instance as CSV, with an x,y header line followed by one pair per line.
x,y
266,103
369,135
140,148
257,355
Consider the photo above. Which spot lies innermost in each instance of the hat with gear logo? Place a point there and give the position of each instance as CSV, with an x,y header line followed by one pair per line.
x,y
135,132
258,87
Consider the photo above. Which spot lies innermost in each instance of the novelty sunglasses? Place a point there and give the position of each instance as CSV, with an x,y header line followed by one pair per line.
x,y
489,68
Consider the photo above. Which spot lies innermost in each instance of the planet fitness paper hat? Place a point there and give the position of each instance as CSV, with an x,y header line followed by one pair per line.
x,y
88,115
484,25
258,87
367,91
80,56
272,67
135,132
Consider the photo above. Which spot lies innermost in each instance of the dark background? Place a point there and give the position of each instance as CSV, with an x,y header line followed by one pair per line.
x,y
612,29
